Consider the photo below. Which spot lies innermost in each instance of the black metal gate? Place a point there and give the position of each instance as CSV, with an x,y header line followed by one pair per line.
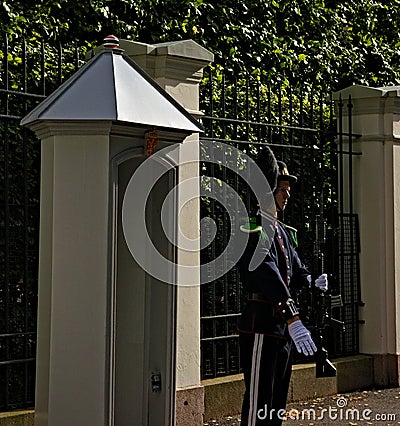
x,y
28,73
300,125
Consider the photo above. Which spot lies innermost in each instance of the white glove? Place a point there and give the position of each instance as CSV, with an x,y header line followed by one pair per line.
x,y
301,338
322,282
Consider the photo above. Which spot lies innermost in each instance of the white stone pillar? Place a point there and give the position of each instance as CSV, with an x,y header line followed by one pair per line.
x,y
178,68
376,176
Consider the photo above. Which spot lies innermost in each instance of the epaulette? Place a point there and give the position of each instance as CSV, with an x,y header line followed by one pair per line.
x,y
251,226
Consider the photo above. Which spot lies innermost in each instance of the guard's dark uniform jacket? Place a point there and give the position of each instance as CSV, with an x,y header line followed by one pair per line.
x,y
269,284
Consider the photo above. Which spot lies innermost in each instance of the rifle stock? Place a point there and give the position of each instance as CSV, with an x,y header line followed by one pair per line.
x,y
323,367
321,305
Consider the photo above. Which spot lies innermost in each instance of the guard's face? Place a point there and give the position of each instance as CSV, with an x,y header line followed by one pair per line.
x,y
282,194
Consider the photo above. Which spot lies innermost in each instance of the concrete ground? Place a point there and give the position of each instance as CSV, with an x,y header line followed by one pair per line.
x,y
380,407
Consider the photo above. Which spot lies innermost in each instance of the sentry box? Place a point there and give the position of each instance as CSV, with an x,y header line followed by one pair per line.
x,y
106,326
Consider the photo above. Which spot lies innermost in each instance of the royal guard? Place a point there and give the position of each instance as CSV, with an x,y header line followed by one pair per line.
x,y
270,322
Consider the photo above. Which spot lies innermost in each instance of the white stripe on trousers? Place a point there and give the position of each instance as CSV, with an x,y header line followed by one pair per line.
x,y
255,377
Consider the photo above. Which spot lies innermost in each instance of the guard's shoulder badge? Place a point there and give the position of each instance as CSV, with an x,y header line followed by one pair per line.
x,y
251,226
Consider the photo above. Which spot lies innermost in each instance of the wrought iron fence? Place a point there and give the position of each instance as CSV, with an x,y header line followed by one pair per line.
x,y
29,71
300,125
296,121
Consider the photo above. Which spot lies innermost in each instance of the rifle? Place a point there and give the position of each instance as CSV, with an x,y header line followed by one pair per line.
x,y
320,305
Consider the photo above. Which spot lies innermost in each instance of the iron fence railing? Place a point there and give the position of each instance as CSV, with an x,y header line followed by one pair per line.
x,y
29,71
298,122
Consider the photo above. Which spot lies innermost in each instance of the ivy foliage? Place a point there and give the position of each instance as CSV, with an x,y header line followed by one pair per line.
x,y
342,42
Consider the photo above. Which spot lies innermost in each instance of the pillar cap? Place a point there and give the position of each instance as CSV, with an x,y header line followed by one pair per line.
x,y
358,91
184,48
188,49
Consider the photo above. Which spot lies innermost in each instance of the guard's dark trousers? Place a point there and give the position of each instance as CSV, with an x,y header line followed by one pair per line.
x,y
267,365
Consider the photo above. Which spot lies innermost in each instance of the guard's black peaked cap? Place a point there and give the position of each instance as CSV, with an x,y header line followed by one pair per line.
x,y
283,174
266,161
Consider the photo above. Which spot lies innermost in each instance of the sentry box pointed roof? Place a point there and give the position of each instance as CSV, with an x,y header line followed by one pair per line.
x,y
112,87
